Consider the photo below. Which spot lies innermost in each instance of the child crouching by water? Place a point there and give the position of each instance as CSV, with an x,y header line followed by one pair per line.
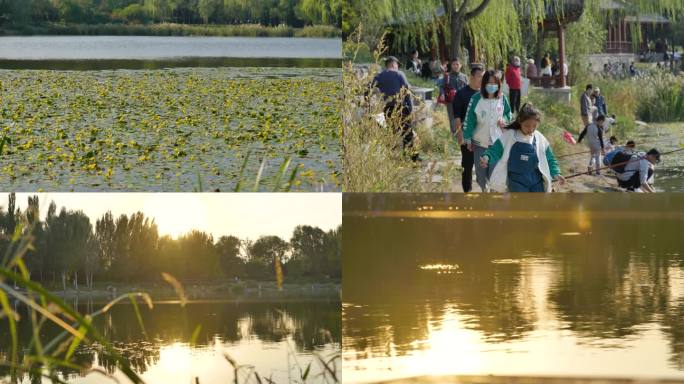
x,y
524,159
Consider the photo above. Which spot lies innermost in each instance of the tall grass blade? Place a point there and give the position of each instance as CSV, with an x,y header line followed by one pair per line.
x,y
67,310
177,286
195,334
238,186
291,180
75,342
281,172
258,176
12,324
138,316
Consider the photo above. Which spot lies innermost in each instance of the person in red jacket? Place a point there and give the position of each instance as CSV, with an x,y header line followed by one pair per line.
x,y
514,81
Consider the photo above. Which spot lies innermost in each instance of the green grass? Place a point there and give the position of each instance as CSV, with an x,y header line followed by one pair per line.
x,y
170,29
661,98
167,130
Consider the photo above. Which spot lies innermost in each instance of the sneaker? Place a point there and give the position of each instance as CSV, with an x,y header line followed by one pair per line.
x,y
589,171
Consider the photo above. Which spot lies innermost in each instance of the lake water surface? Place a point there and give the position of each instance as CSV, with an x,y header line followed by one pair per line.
x,y
576,285
277,339
151,52
665,137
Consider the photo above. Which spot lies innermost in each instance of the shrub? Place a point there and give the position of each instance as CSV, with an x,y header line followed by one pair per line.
x,y
661,98
134,13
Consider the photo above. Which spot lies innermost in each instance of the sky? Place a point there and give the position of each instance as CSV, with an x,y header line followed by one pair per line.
x,y
245,215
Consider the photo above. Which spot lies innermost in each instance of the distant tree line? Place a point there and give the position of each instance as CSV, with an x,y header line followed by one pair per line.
x,y
295,13
128,248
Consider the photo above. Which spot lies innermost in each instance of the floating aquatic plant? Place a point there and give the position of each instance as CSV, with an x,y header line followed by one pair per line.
x,y
163,130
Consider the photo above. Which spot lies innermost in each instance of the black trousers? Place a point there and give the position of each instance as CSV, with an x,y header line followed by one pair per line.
x,y
634,182
515,100
467,162
404,124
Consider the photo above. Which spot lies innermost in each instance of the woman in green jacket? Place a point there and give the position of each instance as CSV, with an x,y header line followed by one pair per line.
x,y
488,112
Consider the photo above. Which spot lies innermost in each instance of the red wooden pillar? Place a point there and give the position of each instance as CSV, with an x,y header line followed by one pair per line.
x,y
561,54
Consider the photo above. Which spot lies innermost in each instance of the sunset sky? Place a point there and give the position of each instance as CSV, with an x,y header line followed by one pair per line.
x,y
246,215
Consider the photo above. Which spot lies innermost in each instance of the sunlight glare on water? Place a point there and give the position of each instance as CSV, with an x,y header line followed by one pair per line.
x,y
590,287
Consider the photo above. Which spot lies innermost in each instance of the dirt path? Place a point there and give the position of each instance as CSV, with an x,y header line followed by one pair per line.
x,y
444,174
606,182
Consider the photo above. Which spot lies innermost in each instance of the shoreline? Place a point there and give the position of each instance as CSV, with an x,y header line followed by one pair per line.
x,y
243,291
171,29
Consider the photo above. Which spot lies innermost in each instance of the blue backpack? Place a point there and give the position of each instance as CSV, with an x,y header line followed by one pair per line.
x,y
608,158
618,159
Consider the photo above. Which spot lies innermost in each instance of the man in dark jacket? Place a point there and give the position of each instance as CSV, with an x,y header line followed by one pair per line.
x,y
460,106
394,86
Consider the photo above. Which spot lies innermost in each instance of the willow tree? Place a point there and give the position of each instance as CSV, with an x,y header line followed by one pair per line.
x,y
493,26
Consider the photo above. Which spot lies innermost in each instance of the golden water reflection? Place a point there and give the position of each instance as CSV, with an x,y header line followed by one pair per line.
x,y
594,289
273,338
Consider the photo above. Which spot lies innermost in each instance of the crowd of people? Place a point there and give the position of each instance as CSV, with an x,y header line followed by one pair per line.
x,y
634,170
499,139
620,70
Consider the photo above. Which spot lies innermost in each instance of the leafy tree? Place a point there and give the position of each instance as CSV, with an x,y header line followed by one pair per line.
x,y
295,13
308,249
35,258
134,13
209,8
129,249
200,255
228,250
328,12
333,252
266,251
105,230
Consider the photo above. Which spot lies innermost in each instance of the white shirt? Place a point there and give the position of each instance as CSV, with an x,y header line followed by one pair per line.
x,y
488,112
523,138
642,166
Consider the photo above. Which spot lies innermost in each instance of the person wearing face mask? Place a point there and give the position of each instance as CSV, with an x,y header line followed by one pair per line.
x,y
488,112
460,106
523,156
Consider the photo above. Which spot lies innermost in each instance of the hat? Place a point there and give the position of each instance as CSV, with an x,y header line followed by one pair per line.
x,y
516,61
530,61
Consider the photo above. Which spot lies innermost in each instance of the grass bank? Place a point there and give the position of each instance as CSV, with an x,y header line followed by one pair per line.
x,y
244,290
171,29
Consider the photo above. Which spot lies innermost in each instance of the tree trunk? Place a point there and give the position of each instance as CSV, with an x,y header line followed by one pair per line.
x,y
455,49
64,281
76,281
